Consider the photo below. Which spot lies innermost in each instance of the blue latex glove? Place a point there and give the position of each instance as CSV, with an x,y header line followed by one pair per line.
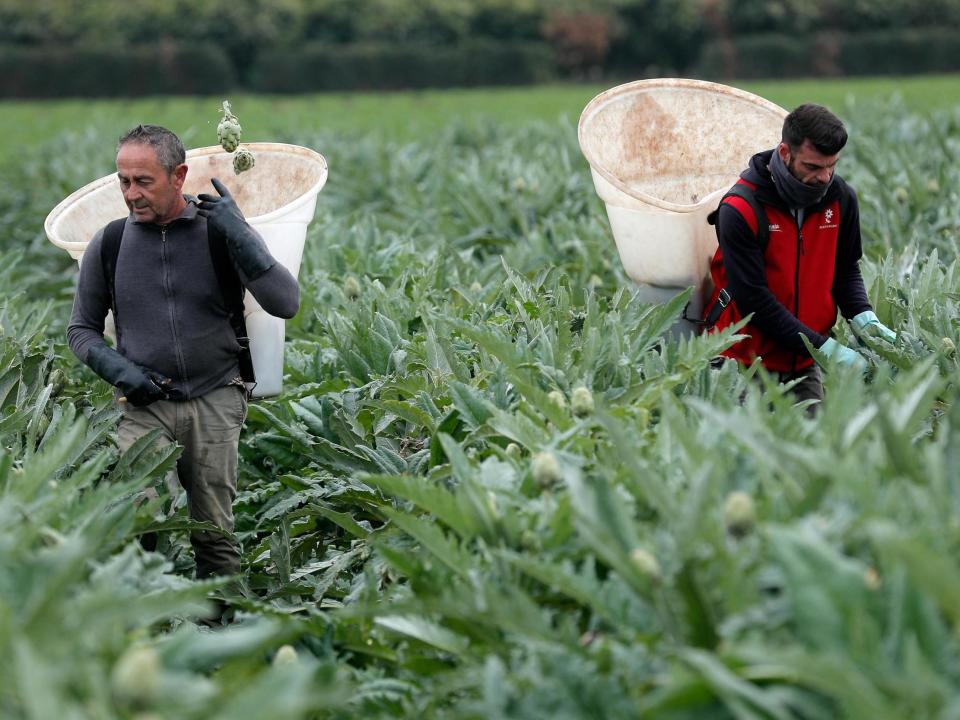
x,y
867,322
843,355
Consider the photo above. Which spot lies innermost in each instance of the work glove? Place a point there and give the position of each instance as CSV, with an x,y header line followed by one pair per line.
x,y
842,355
246,247
139,385
867,322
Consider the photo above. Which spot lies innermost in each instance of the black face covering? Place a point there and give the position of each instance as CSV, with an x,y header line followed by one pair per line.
x,y
796,194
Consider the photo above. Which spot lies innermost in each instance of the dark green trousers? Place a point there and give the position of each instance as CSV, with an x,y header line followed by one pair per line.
x,y
208,428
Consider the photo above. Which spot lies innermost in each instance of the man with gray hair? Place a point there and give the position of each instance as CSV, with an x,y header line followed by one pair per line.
x,y
164,271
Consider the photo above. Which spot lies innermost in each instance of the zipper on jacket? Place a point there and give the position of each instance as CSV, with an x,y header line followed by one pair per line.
x,y
177,345
796,280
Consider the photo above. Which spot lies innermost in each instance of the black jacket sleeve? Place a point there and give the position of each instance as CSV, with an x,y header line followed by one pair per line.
x,y
747,283
90,304
276,289
848,290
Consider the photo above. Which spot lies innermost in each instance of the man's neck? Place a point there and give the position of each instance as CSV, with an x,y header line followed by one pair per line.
x,y
175,212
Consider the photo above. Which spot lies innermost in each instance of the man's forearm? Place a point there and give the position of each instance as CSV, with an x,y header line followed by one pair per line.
x,y
277,291
850,293
82,340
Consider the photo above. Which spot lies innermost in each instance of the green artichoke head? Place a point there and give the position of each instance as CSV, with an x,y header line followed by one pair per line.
x,y
243,160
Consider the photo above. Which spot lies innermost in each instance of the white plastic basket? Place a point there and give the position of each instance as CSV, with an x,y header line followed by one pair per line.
x,y
662,153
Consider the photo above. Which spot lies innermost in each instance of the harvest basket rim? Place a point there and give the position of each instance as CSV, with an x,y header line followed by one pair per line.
x,y
617,92
50,223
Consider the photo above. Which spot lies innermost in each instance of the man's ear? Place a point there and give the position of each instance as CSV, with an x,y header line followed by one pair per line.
x,y
784,151
179,175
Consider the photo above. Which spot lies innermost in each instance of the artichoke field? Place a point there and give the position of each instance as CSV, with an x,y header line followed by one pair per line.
x,y
496,485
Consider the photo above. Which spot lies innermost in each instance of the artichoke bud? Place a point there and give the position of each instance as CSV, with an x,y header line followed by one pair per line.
x,y
529,540
228,131
581,402
351,287
136,677
546,469
643,418
286,655
739,514
58,380
558,399
646,562
243,160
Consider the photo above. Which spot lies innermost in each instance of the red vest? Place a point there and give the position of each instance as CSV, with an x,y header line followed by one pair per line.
x,y
800,269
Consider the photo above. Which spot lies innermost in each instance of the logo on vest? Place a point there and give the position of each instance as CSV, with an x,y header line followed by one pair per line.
x,y
828,220
774,228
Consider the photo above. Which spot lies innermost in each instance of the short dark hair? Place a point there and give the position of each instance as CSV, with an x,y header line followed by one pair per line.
x,y
165,143
815,123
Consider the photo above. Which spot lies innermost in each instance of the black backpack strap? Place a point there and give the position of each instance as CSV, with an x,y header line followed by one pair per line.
x,y
232,291
109,252
745,193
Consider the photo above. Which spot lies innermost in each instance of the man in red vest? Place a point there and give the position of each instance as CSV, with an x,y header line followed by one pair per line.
x,y
795,273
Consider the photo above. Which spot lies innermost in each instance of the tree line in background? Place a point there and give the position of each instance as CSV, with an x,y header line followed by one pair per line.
x,y
115,47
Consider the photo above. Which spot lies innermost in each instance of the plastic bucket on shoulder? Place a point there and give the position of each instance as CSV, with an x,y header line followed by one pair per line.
x,y
278,197
662,153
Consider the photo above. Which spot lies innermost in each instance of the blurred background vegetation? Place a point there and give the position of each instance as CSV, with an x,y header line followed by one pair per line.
x,y
57,48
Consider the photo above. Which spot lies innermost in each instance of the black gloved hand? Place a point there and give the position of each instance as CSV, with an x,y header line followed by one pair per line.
x,y
246,247
139,385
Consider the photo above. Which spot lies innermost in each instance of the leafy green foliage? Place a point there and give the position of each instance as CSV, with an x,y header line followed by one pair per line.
x,y
398,527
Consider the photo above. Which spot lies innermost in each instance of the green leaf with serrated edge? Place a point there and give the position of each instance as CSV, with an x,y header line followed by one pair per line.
x,y
658,319
184,524
411,413
501,348
294,432
343,520
452,425
55,454
432,498
387,461
149,453
38,414
339,457
586,591
310,412
462,468
474,408
743,698
280,552
432,540
437,359
519,428
425,631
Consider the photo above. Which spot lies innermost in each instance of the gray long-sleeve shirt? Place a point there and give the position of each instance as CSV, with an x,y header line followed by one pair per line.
x,y
171,316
